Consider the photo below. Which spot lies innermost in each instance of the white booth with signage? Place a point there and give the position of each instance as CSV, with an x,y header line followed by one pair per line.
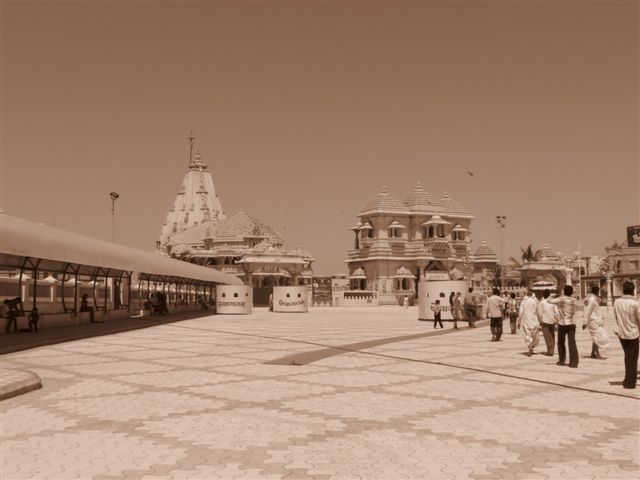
x,y
429,292
290,299
234,299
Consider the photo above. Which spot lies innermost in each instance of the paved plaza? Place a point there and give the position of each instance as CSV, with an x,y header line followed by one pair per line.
x,y
265,396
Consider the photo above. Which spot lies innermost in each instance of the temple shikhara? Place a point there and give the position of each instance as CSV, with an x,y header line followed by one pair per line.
x,y
396,243
197,230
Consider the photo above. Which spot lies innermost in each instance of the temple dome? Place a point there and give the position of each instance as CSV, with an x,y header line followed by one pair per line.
x,y
546,253
384,202
451,207
484,253
420,200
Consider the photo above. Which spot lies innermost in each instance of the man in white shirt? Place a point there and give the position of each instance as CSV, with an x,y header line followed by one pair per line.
x,y
567,305
627,314
528,320
547,317
494,309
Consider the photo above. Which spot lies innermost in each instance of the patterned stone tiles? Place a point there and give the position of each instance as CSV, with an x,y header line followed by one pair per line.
x,y
366,405
251,427
263,390
508,427
136,406
112,367
177,378
82,454
92,387
192,400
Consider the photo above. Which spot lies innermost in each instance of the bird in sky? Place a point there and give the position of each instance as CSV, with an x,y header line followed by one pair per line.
x,y
471,174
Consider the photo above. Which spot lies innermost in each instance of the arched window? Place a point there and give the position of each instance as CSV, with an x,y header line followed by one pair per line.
x,y
440,231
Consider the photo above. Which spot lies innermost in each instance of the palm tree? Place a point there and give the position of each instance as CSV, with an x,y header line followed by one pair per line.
x,y
527,254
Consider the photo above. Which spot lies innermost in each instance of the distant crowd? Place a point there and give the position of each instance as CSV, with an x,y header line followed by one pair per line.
x,y
534,316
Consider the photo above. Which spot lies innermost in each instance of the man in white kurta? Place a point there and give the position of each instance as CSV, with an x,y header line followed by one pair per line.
x,y
528,320
594,324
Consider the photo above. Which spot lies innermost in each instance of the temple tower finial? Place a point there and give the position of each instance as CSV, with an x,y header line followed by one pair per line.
x,y
191,139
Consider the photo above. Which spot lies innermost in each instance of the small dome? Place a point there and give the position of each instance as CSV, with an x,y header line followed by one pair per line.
x,y
395,224
358,274
459,228
403,272
484,253
436,220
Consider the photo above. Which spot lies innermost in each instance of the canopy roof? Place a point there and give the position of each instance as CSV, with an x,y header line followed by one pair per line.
x,y
20,238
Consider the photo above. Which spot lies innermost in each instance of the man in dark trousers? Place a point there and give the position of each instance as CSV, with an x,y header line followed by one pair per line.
x,y
494,304
627,314
567,306
470,307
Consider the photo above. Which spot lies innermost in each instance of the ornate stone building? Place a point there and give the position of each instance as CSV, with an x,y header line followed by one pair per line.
x,y
198,231
398,242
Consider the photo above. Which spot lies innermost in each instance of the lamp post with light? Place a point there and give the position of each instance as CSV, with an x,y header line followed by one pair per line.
x,y
501,222
114,196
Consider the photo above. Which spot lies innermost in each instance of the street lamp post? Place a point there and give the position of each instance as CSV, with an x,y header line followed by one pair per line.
x,y
114,196
501,222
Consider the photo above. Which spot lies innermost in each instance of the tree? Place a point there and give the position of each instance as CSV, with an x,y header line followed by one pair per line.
x,y
527,254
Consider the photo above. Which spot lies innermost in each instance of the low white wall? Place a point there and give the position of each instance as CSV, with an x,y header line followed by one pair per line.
x,y
429,292
290,299
234,299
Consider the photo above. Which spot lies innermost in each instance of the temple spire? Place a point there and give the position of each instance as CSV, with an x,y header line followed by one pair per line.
x,y
191,139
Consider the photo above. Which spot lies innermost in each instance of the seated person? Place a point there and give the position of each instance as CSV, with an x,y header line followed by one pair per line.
x,y
84,307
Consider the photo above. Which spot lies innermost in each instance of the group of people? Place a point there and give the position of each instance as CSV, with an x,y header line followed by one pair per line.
x,y
13,309
157,304
535,316
553,314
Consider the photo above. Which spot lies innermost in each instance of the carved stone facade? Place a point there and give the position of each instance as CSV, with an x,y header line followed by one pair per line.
x,y
398,242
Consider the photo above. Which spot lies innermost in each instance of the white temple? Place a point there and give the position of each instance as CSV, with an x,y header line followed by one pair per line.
x,y
196,201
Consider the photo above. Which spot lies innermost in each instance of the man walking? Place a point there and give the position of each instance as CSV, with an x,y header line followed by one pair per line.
x,y
457,310
594,321
567,307
494,308
627,314
547,314
470,307
528,320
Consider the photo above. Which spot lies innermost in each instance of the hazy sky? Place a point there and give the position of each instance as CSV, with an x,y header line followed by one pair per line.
x,y
304,110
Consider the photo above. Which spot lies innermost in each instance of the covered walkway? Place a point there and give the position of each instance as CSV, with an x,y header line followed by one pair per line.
x,y
51,269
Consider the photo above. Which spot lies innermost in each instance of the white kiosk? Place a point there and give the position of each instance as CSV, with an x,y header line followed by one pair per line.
x,y
234,299
290,299
430,291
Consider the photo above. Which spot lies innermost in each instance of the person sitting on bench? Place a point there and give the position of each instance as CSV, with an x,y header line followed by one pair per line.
x,y
84,307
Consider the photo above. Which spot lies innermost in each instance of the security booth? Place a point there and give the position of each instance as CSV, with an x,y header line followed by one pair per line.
x,y
234,299
430,291
290,299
